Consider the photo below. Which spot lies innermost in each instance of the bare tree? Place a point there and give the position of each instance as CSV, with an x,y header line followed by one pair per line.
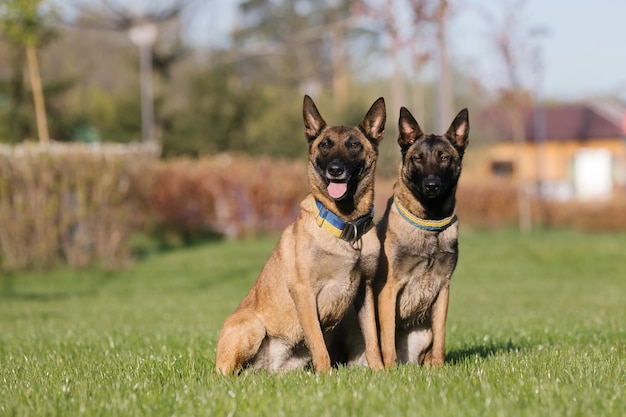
x,y
305,49
422,48
398,79
414,44
405,40
444,88
509,38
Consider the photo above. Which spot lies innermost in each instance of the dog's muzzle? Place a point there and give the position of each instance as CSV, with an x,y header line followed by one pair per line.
x,y
431,186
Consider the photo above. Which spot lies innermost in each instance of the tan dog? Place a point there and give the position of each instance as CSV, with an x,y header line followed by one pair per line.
x,y
322,259
418,233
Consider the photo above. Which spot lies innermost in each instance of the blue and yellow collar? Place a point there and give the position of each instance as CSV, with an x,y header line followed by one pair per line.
x,y
349,231
432,225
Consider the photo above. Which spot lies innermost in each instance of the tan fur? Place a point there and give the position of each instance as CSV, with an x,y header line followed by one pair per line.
x,y
413,282
312,278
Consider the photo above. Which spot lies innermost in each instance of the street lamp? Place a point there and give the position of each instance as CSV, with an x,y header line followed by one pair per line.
x,y
539,114
143,35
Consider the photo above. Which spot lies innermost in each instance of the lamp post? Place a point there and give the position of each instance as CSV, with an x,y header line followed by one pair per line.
x,y
144,35
539,114
539,126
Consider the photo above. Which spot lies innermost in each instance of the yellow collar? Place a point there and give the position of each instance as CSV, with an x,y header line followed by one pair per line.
x,y
432,225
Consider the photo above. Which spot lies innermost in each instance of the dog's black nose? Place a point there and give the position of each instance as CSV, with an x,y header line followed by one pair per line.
x,y
335,169
432,185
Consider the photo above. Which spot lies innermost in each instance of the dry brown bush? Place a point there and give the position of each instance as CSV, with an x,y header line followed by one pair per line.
x,y
80,204
230,195
495,204
68,202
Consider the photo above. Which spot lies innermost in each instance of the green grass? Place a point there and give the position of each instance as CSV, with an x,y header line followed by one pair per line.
x,y
536,328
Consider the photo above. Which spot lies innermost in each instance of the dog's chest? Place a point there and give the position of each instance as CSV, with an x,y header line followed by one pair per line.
x,y
422,267
338,280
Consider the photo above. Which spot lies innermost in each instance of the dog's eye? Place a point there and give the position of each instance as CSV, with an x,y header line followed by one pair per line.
x,y
417,159
326,144
355,145
444,157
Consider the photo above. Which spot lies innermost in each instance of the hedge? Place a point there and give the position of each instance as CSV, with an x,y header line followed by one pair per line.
x,y
225,194
81,204
69,202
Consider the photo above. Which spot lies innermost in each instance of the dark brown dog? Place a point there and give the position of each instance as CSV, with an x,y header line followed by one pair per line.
x,y
418,233
314,274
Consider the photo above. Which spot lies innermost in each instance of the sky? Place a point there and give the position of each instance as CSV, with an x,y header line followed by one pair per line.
x,y
583,48
582,45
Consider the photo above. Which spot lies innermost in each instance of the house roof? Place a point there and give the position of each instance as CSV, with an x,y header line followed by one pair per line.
x,y
573,121
582,121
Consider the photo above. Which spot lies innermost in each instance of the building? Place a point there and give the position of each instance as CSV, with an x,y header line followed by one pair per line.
x,y
571,151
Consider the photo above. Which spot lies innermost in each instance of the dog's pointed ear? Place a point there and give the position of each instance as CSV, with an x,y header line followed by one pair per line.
x,y
373,124
458,132
409,130
313,121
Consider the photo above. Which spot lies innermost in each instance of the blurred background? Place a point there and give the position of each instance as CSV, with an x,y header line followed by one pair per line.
x,y
123,123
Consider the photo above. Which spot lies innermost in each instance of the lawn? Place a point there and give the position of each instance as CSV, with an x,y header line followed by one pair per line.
x,y
537,327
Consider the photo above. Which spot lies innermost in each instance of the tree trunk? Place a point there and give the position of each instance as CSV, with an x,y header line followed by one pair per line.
x,y
340,65
397,78
444,92
35,82
523,199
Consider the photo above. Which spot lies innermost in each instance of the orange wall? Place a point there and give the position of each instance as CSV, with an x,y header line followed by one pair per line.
x,y
557,157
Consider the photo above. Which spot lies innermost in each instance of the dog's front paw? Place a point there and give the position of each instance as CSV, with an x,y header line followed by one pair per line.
x,y
432,360
389,359
377,365
322,365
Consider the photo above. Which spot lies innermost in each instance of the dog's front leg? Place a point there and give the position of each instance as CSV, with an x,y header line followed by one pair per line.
x,y
367,321
306,308
387,322
436,355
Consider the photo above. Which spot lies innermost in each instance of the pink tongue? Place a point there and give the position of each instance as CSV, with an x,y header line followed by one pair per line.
x,y
337,189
